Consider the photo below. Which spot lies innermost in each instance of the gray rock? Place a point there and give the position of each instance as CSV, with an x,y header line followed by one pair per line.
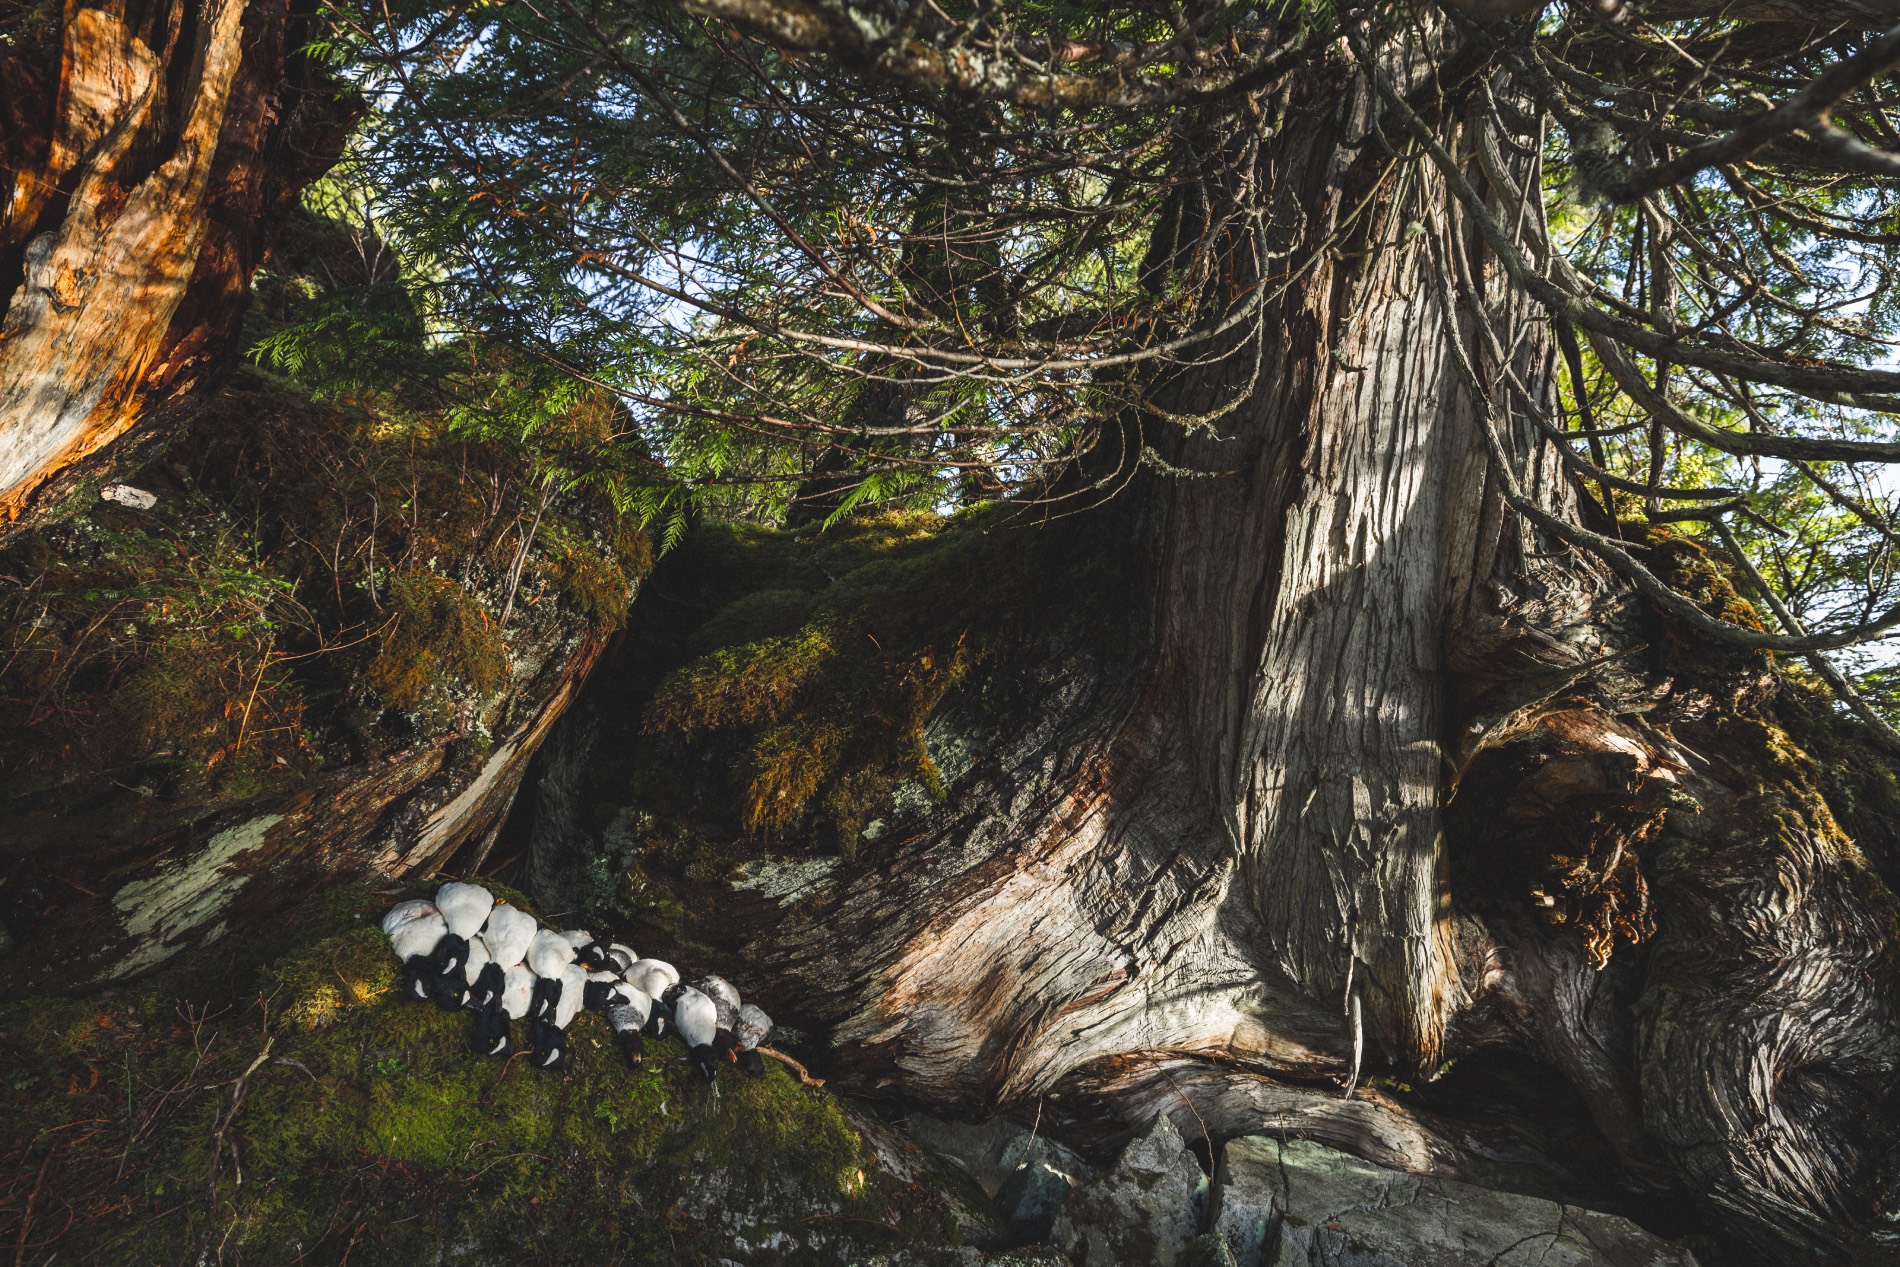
x,y
1249,1187
1028,1176
1032,1197
962,1256
791,1214
1036,1256
976,1147
992,1151
1143,1210
1207,1250
1299,1204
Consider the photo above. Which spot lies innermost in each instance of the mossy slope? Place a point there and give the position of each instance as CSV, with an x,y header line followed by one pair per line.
x,y
815,675
298,1110
319,585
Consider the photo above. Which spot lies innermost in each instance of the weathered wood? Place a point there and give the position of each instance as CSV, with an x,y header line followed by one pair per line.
x,y
98,293
1768,1032
1252,831
129,905
135,226
1218,881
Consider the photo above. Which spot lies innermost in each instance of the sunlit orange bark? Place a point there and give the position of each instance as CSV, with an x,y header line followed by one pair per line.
x,y
143,175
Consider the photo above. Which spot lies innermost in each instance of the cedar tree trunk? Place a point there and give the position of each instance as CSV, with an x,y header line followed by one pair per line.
x,y
1396,779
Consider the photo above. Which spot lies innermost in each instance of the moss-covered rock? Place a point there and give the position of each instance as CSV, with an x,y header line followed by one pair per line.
x,y
278,1097
317,584
821,674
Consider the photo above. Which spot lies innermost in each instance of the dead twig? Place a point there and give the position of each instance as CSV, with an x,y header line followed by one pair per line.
x,y
246,722
294,1063
26,1216
237,1086
804,1075
506,1065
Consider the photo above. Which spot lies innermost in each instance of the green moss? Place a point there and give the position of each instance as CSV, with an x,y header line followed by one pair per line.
x,y
440,639
788,765
1853,771
337,976
822,657
364,1120
595,574
1694,571
751,618
753,684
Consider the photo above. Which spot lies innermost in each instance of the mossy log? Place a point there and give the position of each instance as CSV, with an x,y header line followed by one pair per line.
x,y
211,713
139,901
277,1100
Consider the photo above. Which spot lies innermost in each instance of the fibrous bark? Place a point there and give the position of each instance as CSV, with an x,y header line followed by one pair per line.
x,y
145,173
1395,778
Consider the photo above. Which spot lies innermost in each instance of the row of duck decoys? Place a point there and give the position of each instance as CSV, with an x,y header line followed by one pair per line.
x,y
467,950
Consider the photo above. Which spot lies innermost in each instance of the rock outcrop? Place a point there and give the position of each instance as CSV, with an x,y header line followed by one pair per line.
x,y
1299,1204
1028,1175
1274,1203
1143,1209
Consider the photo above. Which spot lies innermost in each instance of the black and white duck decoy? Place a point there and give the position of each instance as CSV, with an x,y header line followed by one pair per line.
x,y
465,906
628,1018
726,1005
603,990
550,954
465,909
588,952
753,1029
697,1018
489,1035
402,912
500,945
655,978
482,974
517,991
508,931
548,1033
492,953
415,930
658,970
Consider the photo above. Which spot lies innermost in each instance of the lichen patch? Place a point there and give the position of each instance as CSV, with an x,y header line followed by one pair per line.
x,y
161,910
